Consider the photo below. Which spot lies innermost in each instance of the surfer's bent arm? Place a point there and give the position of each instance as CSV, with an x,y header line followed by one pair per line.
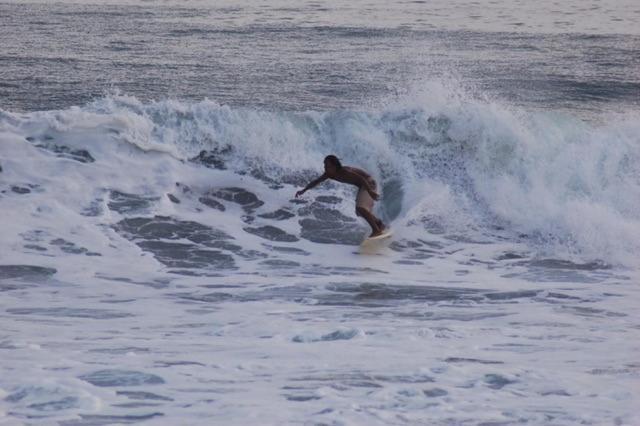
x,y
312,184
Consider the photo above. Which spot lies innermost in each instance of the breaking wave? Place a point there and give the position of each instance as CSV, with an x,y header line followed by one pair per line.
x,y
449,165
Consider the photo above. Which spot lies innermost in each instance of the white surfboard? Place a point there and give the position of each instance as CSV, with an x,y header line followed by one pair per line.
x,y
385,234
371,244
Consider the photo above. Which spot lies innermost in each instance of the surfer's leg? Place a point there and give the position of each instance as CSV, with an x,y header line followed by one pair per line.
x,y
364,205
371,220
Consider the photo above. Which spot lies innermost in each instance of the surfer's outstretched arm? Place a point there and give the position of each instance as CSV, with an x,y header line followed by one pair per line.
x,y
312,184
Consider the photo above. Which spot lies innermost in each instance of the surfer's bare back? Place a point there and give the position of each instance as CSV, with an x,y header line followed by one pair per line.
x,y
333,169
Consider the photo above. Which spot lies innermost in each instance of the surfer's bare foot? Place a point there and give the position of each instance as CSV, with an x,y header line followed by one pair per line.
x,y
376,233
381,226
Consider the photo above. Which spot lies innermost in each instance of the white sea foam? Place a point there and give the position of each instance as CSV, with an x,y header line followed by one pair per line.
x,y
570,186
510,277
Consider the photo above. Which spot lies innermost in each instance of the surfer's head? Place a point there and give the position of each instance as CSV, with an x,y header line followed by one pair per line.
x,y
331,164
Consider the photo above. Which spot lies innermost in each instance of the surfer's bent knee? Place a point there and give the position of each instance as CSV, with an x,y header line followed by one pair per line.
x,y
360,211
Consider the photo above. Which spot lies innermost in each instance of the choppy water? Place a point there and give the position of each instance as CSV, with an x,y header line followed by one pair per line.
x,y
580,55
154,266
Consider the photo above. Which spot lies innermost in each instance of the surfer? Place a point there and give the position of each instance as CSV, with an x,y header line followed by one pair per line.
x,y
367,194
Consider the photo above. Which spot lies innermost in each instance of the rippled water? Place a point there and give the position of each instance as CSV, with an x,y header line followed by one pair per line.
x,y
576,55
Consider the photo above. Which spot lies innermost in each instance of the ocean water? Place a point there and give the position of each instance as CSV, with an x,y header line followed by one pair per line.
x,y
155,267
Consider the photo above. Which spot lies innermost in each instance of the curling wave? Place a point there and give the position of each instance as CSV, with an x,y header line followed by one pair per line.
x,y
448,164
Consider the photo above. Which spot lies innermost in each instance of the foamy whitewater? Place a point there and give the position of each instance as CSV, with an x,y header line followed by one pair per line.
x,y
156,268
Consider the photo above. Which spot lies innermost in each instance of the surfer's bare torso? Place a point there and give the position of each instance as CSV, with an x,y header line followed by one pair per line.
x,y
352,176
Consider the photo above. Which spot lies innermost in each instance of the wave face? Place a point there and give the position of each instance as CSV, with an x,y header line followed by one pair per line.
x,y
464,169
